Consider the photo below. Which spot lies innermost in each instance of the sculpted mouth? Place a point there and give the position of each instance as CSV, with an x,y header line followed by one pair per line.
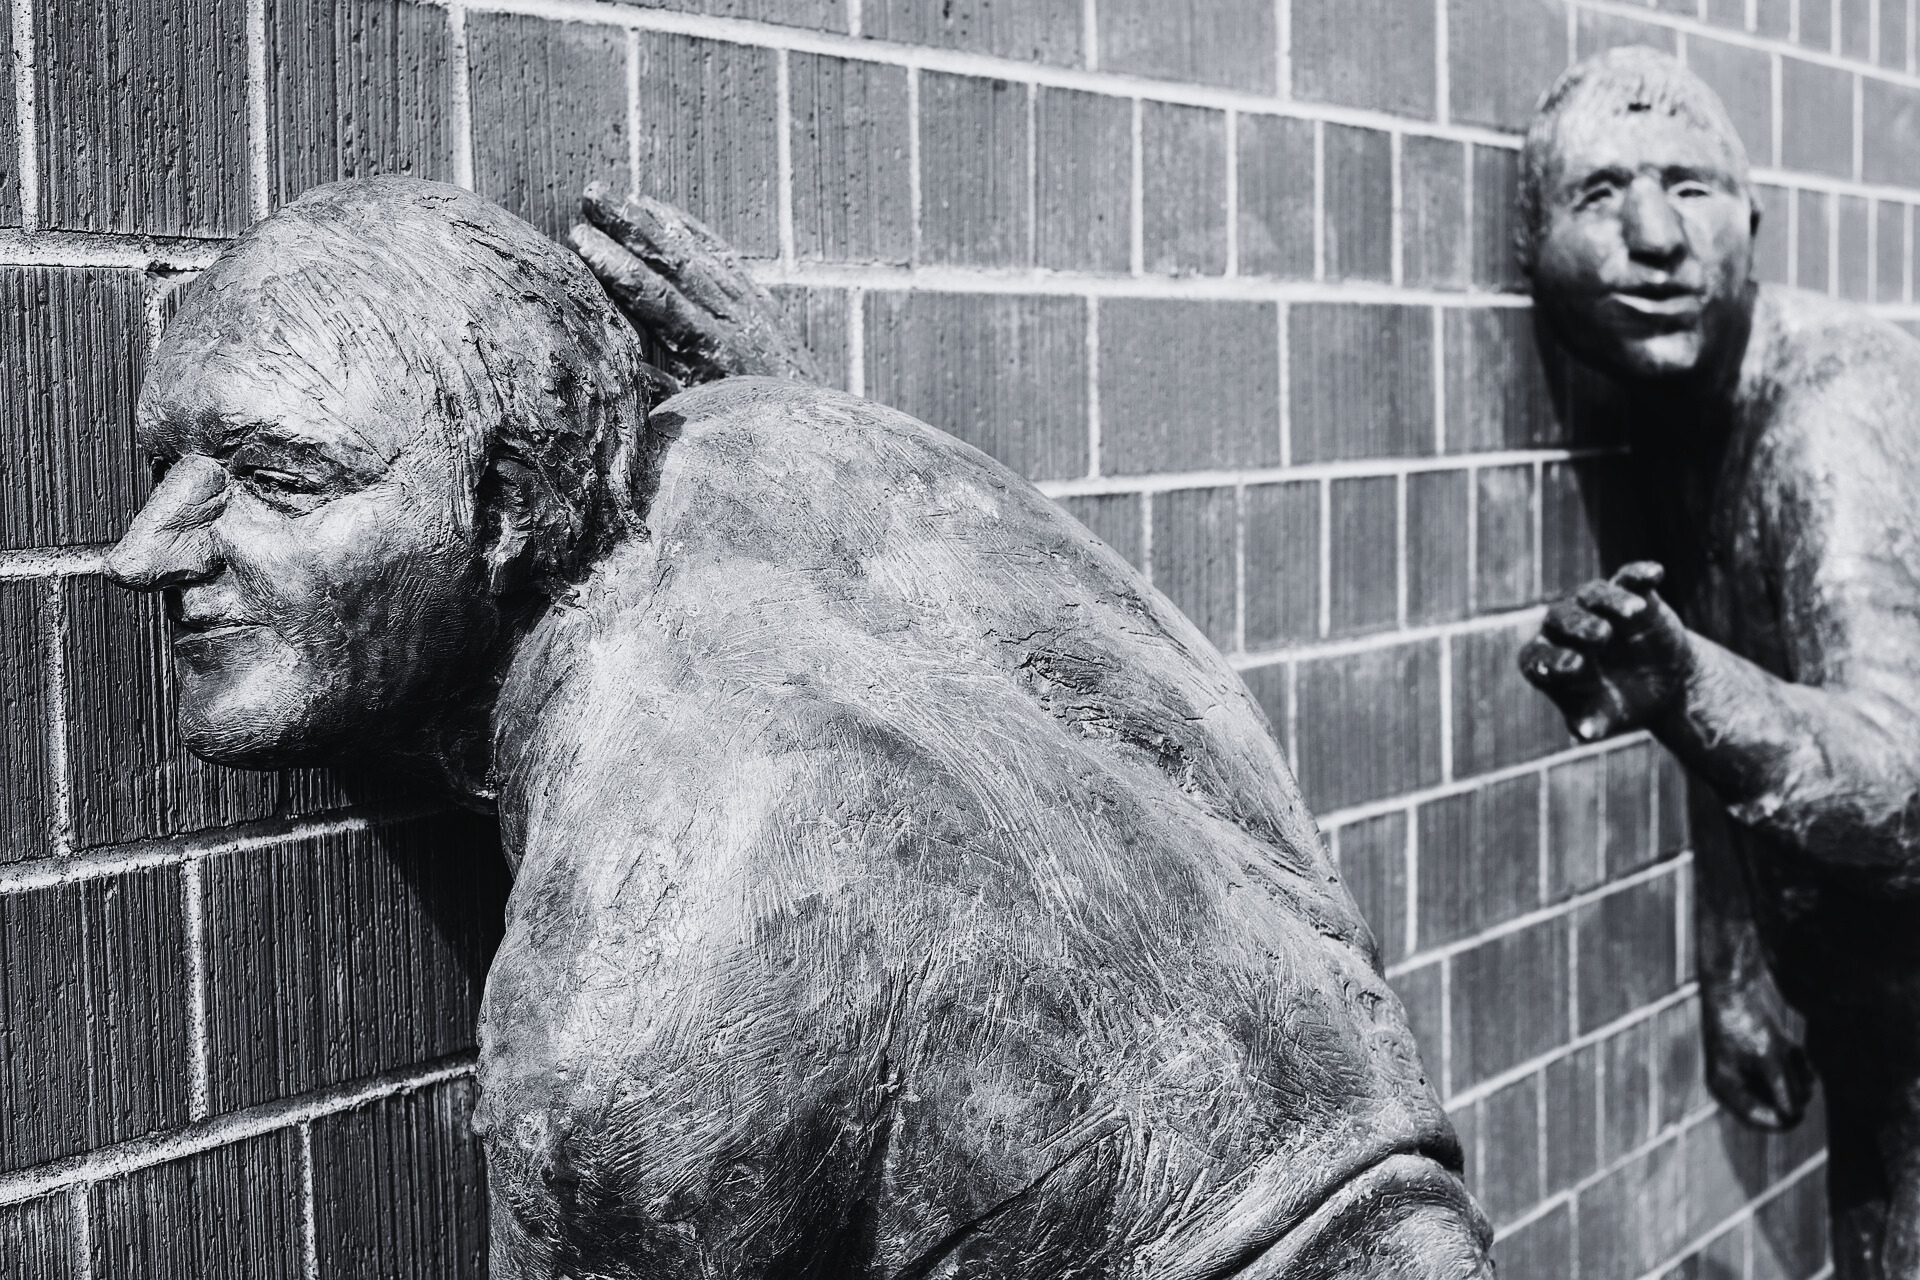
x,y
210,628
1659,300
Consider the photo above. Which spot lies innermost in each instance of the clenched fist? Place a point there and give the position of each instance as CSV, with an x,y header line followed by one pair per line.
x,y
1614,657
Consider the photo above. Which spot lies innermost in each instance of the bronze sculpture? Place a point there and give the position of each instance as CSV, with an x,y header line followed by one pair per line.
x,y
903,887
1774,647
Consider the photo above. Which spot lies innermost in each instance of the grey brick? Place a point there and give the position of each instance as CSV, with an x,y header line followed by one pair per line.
x,y
1890,251
973,170
1005,373
1084,160
142,117
1496,177
1437,568
818,317
1283,562
1509,1001
26,760
1363,587
1188,385
1114,518
1183,166
1193,557
1813,265
1362,380
1369,724
1433,213
1598,31
1743,77
1626,950
231,1213
36,1238
1816,116
1504,54
1373,862
1044,31
1499,719
1890,132
1229,42
1366,53
1541,1250
1510,1180
707,135
1359,185
1770,242
549,102
852,198
1503,518
356,88
1497,395
1479,859
1576,852
1275,173
9,137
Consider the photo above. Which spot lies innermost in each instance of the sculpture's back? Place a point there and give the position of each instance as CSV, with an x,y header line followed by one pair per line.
x,y
906,889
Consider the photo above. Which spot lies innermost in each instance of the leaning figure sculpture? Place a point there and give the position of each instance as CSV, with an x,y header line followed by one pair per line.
x,y
1775,646
902,887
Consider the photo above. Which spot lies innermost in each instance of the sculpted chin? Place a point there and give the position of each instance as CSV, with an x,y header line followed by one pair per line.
x,y
903,888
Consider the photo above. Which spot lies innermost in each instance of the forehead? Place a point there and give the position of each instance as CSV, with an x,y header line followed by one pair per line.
x,y
1587,138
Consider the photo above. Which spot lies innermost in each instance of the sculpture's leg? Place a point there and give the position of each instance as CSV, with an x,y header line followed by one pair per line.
x,y
1856,1189
1899,1151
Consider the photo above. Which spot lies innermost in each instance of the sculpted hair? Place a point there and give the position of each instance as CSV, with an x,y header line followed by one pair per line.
x,y
448,306
1617,82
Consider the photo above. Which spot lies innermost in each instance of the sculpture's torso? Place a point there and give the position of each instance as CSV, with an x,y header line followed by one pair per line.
x,y
906,890
1752,542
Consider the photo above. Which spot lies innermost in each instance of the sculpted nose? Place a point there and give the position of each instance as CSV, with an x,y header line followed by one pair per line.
x,y
1653,229
170,542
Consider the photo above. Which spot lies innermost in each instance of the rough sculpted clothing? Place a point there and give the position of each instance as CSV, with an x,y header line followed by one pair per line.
x,y
905,889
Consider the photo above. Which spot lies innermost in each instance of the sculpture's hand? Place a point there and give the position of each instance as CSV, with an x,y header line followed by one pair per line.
x,y
1756,1068
681,284
1614,657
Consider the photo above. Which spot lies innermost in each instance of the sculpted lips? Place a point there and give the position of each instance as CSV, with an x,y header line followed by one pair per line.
x,y
209,627
1662,301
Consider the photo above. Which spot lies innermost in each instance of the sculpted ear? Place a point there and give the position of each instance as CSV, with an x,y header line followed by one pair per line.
x,y
525,527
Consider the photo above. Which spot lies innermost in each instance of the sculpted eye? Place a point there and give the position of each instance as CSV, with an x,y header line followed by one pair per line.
x,y
1594,197
272,481
1690,190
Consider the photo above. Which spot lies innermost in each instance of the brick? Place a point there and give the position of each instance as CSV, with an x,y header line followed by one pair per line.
x,y
72,353
1083,152
26,758
1679,1065
1816,118
1373,862
1632,1219
130,777
231,1213
1369,724
1275,173
852,191
1576,831
973,170
1504,54
1794,1226
707,135
1479,859
1005,373
549,103
1573,1147
1893,36
1816,25
1044,31
93,1015
340,956
1714,1191
818,318
1671,788
399,1188
1183,209
1421,993
1362,380
1722,1257
36,1238
1509,1001
1270,687
1590,522
1743,77
1499,720
1890,251
1510,1175
1812,268
1770,244
1626,950
1435,251
1598,31
1496,385
356,88
1541,1250
9,136
1503,519
1359,184
1629,773
1366,53
1364,535
1890,133
1437,569
1856,279
1496,179
1229,42
1773,18
1466,1128
1188,385
1283,562
1626,1091
142,117
1114,518
1193,558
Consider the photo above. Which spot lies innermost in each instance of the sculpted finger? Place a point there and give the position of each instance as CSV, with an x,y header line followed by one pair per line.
x,y
650,301
1640,577
1571,623
1628,611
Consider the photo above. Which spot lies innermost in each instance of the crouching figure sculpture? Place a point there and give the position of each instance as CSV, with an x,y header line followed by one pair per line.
x,y
902,887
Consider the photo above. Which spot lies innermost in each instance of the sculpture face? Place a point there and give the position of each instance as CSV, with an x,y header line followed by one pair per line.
x,y
316,546
1642,262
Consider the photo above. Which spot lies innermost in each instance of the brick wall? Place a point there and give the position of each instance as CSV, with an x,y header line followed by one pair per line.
x,y
1229,278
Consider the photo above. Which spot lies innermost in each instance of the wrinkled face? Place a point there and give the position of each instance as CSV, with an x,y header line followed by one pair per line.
x,y
315,548
1641,265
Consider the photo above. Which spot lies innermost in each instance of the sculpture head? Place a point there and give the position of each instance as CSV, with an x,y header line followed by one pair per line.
x,y
1637,217
387,421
